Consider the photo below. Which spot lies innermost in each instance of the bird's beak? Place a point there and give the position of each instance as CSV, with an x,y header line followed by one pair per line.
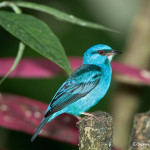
x,y
115,52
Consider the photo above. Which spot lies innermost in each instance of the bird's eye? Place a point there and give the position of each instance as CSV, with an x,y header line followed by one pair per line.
x,y
101,52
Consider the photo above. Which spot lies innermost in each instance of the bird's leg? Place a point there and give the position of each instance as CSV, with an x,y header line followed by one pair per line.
x,y
92,115
89,114
79,120
86,114
78,117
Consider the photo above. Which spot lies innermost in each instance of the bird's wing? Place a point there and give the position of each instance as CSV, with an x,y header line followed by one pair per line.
x,y
79,84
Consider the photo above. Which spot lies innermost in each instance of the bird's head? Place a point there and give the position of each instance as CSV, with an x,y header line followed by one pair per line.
x,y
99,54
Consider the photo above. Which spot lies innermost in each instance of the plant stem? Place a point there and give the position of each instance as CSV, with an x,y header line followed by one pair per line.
x,y
17,10
17,59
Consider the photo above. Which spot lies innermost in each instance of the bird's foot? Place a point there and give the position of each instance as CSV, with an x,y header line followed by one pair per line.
x,y
79,120
82,118
89,114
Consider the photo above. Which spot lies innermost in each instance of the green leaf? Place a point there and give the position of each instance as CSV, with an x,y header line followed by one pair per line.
x,y
64,16
37,35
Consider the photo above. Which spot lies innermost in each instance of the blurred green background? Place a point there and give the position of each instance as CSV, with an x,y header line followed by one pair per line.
x,y
116,14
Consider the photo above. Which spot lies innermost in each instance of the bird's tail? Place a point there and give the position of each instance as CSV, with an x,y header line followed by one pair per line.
x,y
44,121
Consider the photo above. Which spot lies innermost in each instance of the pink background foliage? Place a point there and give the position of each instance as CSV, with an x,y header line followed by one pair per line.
x,y
43,68
24,114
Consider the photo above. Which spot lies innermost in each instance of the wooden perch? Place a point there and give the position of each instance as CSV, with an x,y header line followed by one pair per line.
x,y
140,137
95,133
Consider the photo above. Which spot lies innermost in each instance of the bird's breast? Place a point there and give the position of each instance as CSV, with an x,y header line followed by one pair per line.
x,y
93,97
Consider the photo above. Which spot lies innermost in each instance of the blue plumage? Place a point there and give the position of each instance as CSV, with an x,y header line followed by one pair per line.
x,y
85,87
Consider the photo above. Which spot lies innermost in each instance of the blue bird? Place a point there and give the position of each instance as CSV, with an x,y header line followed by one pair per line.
x,y
85,87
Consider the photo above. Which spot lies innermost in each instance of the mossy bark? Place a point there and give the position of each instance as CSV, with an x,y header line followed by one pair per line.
x,y
95,133
140,137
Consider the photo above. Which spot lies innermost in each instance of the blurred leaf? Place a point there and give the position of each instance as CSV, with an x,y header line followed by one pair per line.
x,y
29,68
29,114
34,67
37,35
63,16
42,68
131,75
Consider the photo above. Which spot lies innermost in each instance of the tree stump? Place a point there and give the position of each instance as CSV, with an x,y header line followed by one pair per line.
x,y
140,137
95,133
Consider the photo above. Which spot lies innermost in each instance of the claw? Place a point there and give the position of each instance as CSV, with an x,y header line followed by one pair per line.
x,y
89,114
79,120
